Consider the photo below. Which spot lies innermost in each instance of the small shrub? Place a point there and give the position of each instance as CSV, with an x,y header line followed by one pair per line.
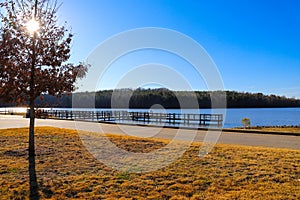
x,y
246,122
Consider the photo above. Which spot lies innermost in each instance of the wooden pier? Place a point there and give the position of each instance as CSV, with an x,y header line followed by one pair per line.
x,y
173,119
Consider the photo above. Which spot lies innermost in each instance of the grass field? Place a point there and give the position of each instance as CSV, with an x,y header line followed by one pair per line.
x,y
65,169
280,129
277,129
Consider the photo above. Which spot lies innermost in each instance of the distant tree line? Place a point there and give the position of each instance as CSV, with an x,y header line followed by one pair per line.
x,y
146,98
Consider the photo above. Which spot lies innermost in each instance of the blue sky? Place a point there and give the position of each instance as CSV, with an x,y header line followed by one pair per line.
x,y
255,44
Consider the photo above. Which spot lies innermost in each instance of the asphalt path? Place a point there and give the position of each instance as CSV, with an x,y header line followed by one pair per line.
x,y
237,138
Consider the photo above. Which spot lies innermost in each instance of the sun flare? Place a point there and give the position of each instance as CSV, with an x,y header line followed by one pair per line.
x,y
32,26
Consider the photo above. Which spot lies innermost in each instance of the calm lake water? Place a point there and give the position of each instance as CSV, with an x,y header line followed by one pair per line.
x,y
258,116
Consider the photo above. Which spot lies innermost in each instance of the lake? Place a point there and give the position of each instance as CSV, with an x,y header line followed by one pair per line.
x,y
263,116
258,116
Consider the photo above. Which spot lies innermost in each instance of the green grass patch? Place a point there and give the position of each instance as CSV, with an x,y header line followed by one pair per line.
x,y
66,170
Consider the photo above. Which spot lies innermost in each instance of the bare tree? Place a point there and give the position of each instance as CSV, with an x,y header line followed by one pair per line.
x,y
34,50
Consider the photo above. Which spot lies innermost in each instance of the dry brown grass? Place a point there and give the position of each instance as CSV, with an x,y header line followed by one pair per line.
x,y
65,169
282,130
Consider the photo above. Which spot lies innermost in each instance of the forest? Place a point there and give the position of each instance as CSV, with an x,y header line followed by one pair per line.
x,y
146,98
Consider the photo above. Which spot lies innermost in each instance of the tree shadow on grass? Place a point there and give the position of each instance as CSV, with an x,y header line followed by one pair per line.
x,y
34,189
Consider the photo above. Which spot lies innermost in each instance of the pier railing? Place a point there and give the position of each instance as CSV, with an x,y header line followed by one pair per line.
x,y
174,119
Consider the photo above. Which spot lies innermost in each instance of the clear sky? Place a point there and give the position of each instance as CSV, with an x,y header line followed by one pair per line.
x,y
254,43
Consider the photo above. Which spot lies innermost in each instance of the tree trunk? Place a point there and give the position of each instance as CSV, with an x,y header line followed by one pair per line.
x,y
34,191
31,131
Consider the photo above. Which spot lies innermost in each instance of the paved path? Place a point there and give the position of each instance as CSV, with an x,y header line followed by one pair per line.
x,y
249,139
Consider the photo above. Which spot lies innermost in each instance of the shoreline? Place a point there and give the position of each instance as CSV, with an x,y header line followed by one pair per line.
x,y
288,130
264,117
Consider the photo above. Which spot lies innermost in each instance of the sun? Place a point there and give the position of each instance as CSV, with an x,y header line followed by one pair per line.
x,y
32,26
